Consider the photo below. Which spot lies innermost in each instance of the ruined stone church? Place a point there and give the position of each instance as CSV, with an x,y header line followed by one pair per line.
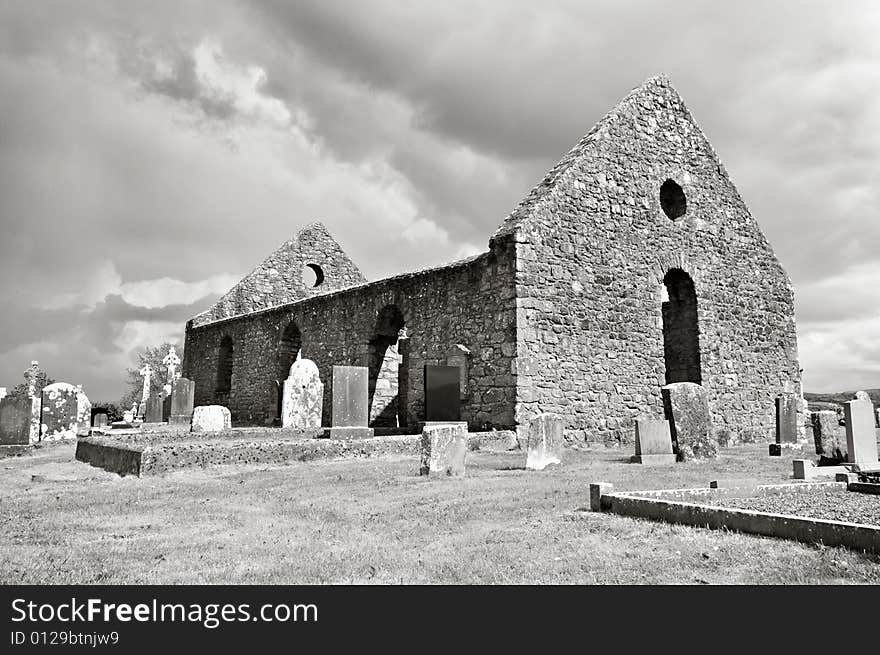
x,y
633,264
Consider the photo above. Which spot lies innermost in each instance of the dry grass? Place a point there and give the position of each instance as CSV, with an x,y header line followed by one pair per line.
x,y
377,521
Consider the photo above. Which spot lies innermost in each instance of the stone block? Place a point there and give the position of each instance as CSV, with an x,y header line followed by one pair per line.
x,y
303,396
350,396
653,442
786,418
545,442
443,450
15,419
597,490
211,418
828,436
153,413
687,408
442,393
861,438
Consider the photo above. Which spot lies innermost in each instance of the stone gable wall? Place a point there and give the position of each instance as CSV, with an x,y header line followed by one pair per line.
x,y
591,256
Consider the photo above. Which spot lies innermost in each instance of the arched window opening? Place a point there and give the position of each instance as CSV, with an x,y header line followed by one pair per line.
x,y
388,369
681,334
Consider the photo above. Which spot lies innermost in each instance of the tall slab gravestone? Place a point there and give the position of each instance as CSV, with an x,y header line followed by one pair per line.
x,y
303,397
687,408
351,406
545,441
786,418
653,442
828,436
182,402
443,449
861,439
442,393
15,420
60,412
153,413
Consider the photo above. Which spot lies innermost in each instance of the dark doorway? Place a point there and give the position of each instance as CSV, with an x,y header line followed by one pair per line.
x,y
387,366
288,349
681,334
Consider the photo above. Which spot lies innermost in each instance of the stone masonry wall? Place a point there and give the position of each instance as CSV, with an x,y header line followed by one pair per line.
x,y
593,246
470,303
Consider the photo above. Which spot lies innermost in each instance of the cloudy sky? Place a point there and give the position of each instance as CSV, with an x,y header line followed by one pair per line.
x,y
152,153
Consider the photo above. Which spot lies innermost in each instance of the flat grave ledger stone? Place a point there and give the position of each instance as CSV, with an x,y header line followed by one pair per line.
x,y
786,418
653,442
350,396
60,412
211,418
303,396
153,412
444,450
686,406
545,442
442,393
15,421
182,401
861,438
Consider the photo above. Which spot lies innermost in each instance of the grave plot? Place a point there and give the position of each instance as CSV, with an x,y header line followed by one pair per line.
x,y
822,512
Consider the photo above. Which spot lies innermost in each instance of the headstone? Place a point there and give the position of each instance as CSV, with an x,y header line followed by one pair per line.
x,y
862,395
350,410
443,449
15,419
545,441
153,413
127,416
100,420
60,411
786,418
83,413
442,393
211,418
861,439
828,436
182,398
166,407
653,442
303,397
687,408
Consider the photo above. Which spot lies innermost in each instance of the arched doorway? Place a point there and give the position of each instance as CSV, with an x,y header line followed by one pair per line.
x,y
387,369
288,349
681,334
225,357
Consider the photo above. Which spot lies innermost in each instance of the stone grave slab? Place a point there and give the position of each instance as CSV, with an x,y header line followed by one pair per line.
x,y
182,402
166,407
829,437
350,397
861,438
686,406
545,441
303,397
653,442
211,418
153,413
442,393
60,412
444,450
786,418
15,421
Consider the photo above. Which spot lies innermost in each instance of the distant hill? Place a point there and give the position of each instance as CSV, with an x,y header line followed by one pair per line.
x,y
840,397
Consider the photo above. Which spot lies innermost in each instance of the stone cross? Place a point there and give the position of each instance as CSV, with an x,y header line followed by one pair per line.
x,y
147,372
172,361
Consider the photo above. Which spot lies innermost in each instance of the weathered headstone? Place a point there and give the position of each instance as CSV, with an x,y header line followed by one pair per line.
x,y
15,418
861,439
182,398
686,406
303,397
211,418
100,420
442,393
545,441
829,437
786,418
653,442
60,410
350,410
444,449
166,406
83,413
153,413
128,416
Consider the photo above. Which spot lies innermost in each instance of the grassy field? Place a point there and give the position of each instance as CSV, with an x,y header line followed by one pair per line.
x,y
377,521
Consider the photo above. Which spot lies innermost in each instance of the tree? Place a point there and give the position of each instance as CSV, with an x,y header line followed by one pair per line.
x,y
40,380
153,357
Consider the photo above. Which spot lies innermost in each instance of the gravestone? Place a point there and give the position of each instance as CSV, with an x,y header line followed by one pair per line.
x,y
303,397
60,411
828,436
83,413
100,419
153,413
15,421
444,449
786,418
211,418
182,402
686,406
442,393
653,442
861,439
166,407
350,410
545,441
128,416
